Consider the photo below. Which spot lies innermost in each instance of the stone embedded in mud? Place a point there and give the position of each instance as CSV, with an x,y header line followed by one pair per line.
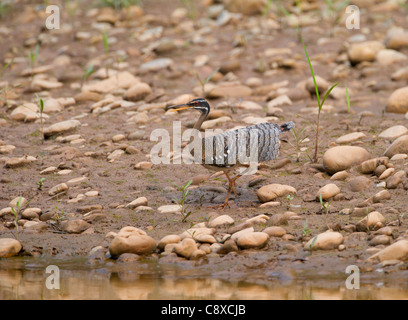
x,y
60,127
31,213
75,226
341,175
156,65
328,191
121,80
7,149
396,251
144,165
131,240
9,247
322,85
350,137
58,189
167,209
115,155
247,7
344,157
397,38
400,145
26,112
388,57
185,248
325,241
19,162
272,191
396,179
364,51
375,220
381,196
141,201
252,240
393,132
386,174
380,240
138,92
23,202
358,184
220,221
275,231
171,238
398,101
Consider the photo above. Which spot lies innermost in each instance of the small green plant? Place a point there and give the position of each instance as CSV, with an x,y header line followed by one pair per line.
x,y
348,100
191,9
297,145
33,57
87,73
184,193
306,231
16,213
41,107
105,39
59,214
267,7
325,207
311,245
40,183
5,7
205,81
333,11
118,4
319,102
5,66
289,198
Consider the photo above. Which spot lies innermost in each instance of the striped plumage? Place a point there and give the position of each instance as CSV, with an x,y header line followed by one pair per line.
x,y
227,150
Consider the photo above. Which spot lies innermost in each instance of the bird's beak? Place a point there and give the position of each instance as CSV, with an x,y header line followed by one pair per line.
x,y
178,107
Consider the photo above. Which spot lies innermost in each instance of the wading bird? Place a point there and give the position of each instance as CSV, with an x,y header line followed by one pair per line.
x,y
235,148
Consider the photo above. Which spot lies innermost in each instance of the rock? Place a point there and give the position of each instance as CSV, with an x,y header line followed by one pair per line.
x,y
128,258
247,7
144,165
341,175
275,231
46,84
388,57
393,132
344,157
380,240
399,157
396,251
115,155
230,91
227,247
61,127
199,179
350,137
397,38
400,74
26,112
23,202
167,209
400,145
171,238
58,189
328,191
364,51
7,149
230,65
381,196
380,170
9,247
121,80
369,166
396,179
325,241
398,101
375,220
88,96
19,162
220,221
52,105
138,92
322,85
141,201
360,183
252,240
387,173
272,191
240,233
185,248
131,240
156,65
75,226
31,213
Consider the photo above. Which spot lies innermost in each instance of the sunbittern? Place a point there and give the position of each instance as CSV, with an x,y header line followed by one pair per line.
x,y
226,149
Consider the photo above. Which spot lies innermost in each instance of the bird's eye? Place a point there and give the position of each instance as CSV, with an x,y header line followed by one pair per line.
x,y
196,103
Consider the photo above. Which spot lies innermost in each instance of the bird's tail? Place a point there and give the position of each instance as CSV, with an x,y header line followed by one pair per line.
x,y
287,126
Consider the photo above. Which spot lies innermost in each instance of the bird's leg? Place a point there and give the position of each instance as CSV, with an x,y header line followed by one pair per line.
x,y
232,182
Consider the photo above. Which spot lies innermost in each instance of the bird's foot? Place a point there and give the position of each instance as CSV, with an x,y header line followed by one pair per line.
x,y
221,206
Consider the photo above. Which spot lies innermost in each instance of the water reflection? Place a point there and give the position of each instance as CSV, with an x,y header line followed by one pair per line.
x,y
24,280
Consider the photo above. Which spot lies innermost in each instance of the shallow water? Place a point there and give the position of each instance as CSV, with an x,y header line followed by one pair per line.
x,y
25,278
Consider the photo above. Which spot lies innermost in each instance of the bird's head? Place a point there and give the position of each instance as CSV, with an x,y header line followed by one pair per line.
x,y
199,104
